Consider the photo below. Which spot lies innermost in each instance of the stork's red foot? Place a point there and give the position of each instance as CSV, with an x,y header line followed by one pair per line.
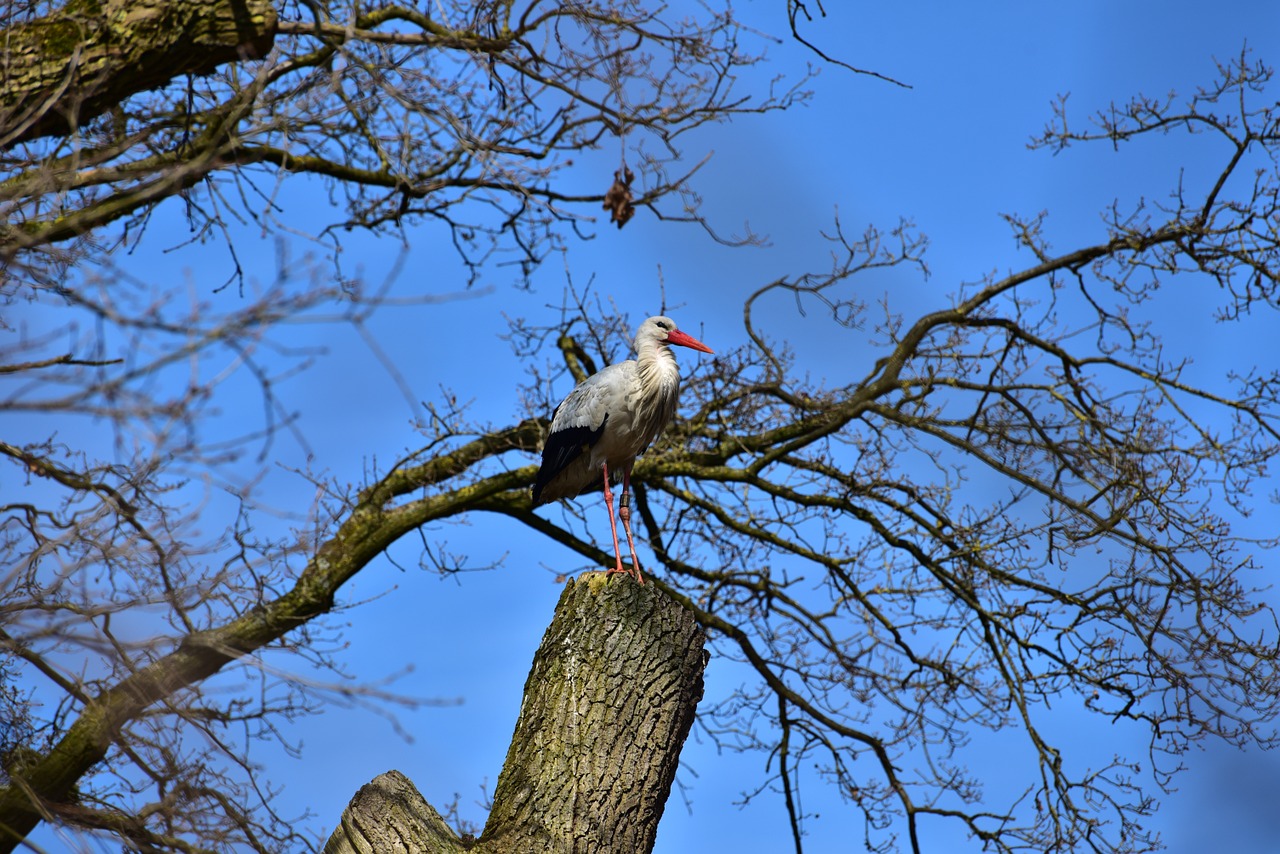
x,y
622,570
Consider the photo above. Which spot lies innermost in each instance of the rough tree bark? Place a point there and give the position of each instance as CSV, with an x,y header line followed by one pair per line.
x,y
607,707
62,70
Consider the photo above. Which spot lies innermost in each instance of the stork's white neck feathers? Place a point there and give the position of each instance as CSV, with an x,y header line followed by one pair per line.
x,y
658,378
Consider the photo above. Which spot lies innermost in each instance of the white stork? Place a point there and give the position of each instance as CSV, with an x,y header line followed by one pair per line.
x,y
609,419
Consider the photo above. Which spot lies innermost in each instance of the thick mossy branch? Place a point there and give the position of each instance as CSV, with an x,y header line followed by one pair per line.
x,y
65,69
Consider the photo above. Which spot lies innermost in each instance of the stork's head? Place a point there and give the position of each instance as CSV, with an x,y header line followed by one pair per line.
x,y
662,330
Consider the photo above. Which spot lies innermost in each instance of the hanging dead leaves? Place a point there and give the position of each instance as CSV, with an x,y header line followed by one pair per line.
x,y
618,200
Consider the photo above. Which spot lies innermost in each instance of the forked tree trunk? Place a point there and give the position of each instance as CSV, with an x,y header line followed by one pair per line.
x,y
607,707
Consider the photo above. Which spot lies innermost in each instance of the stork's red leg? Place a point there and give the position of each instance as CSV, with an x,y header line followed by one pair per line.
x,y
624,511
613,524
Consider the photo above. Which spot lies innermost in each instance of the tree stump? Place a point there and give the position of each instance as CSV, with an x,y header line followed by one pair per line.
x,y
390,816
607,707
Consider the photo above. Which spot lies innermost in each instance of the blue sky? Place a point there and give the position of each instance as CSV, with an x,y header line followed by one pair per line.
x,y
949,153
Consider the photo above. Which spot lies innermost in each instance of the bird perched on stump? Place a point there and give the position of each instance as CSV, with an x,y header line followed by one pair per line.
x,y
608,420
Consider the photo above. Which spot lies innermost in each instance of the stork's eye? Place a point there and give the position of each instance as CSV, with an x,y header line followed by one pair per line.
x,y
662,324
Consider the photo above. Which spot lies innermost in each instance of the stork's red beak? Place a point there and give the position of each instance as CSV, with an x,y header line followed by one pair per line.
x,y
675,336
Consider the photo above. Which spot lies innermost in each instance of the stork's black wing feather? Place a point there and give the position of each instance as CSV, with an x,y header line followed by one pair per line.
x,y
562,448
